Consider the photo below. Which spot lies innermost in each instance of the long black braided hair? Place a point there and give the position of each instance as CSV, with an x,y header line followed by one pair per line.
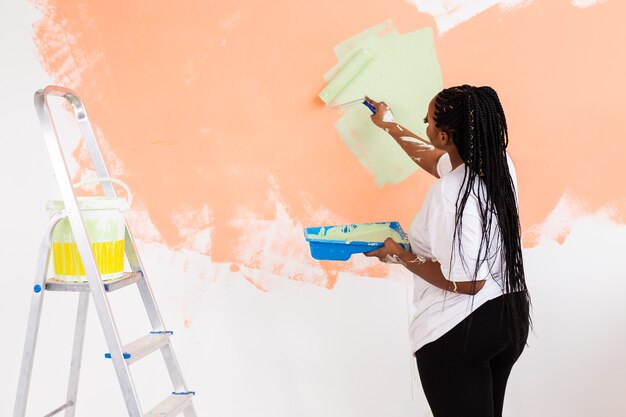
x,y
474,118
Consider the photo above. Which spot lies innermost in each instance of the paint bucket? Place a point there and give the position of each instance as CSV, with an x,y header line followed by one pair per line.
x,y
104,219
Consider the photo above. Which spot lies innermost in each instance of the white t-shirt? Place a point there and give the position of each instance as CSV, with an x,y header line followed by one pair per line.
x,y
431,236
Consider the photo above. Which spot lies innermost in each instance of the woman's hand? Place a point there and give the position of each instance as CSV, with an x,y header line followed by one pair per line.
x,y
383,117
390,250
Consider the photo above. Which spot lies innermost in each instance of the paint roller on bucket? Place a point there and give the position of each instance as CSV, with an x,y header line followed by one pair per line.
x,y
344,76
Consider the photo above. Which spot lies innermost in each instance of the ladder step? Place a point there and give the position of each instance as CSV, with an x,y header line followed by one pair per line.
x,y
172,405
129,278
59,409
144,346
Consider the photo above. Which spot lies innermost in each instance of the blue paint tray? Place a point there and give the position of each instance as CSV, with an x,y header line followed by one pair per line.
x,y
341,250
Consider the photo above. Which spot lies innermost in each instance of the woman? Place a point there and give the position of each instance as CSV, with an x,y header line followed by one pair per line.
x,y
472,303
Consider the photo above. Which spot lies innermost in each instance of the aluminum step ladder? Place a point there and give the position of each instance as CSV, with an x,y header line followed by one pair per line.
x,y
180,399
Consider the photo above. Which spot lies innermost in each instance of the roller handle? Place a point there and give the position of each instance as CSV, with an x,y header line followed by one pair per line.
x,y
369,106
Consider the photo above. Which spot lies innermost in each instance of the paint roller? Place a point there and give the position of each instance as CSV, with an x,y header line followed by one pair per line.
x,y
344,76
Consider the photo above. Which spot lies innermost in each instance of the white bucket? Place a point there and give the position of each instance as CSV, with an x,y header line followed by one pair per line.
x,y
104,219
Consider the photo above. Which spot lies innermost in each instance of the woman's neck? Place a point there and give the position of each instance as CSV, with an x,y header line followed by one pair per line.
x,y
455,158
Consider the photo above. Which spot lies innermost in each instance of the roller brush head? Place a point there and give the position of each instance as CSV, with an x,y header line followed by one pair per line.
x,y
344,76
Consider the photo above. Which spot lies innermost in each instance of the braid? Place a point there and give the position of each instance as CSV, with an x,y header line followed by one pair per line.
x,y
474,118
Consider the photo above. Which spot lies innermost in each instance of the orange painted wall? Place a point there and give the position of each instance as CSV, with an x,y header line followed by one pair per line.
x,y
213,102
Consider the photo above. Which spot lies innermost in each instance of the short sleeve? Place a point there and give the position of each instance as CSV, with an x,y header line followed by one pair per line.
x,y
457,266
444,166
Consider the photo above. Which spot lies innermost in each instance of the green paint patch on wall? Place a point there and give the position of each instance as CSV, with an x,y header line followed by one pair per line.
x,y
404,73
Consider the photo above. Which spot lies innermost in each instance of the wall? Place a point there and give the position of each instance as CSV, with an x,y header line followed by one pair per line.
x,y
209,112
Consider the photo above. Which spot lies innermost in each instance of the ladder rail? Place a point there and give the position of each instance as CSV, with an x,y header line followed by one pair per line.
x,y
80,112
154,315
77,352
34,316
101,303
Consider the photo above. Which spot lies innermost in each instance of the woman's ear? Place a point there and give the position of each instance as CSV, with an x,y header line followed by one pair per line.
x,y
445,138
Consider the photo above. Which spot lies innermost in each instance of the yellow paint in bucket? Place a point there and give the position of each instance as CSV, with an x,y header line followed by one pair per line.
x,y
109,258
104,219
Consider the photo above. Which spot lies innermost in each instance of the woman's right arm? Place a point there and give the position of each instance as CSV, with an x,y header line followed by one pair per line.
x,y
418,149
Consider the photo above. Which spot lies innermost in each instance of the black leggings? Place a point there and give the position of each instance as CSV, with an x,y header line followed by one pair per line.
x,y
464,372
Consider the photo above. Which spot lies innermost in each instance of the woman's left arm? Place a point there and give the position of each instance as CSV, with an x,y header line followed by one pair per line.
x,y
428,270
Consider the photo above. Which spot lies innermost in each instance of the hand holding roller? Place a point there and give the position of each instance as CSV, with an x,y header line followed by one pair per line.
x,y
381,113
